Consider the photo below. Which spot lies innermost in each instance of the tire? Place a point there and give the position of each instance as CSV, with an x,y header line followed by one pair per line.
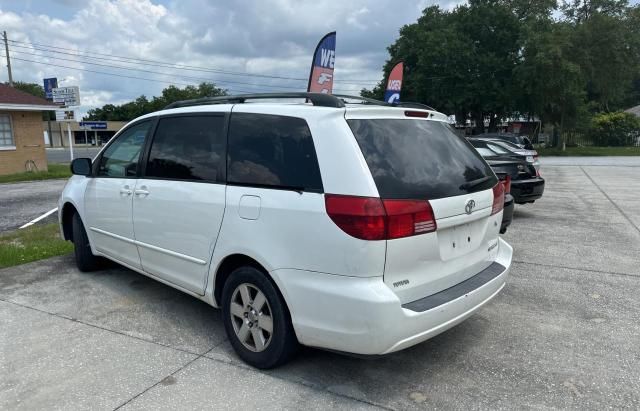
x,y
85,260
247,324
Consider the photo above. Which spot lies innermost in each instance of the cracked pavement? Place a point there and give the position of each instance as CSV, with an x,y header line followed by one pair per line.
x,y
563,333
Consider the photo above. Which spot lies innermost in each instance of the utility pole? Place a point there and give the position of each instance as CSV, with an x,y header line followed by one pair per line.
x,y
6,51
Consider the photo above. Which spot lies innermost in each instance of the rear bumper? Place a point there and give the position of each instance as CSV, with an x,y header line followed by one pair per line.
x,y
363,316
507,214
524,191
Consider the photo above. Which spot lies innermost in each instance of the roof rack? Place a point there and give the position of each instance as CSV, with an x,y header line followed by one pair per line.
x,y
317,99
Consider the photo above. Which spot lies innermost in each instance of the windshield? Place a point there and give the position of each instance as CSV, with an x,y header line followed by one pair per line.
x,y
411,158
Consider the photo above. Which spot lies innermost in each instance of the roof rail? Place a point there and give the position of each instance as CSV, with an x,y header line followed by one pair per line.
x,y
317,99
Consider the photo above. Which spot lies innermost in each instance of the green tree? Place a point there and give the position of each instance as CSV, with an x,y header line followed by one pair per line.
x,y
552,85
460,61
142,105
31,88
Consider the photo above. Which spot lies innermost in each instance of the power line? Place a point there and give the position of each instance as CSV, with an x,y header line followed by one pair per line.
x,y
117,58
118,75
158,72
200,79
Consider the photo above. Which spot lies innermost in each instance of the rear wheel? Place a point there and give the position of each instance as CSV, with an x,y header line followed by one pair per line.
x,y
256,319
85,260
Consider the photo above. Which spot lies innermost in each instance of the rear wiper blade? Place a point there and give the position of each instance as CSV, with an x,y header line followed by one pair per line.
x,y
474,183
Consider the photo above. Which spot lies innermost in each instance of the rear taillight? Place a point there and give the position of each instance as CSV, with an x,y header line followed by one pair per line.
x,y
360,217
370,218
507,184
408,217
498,198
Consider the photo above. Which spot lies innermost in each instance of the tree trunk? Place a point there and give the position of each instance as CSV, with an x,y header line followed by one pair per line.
x,y
561,140
478,117
493,123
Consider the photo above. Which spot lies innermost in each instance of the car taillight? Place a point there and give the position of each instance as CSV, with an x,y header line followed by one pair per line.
x,y
507,184
371,218
408,217
498,199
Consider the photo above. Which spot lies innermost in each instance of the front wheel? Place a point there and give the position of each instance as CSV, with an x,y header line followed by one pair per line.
x,y
256,319
85,260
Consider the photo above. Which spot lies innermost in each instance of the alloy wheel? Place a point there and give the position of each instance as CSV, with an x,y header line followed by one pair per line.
x,y
251,317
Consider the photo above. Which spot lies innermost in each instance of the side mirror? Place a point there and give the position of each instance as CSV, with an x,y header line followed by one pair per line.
x,y
81,166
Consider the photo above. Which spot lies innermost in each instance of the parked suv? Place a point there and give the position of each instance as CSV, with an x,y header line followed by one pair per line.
x,y
356,228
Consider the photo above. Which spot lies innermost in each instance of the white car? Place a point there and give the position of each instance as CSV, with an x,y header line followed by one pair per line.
x,y
355,228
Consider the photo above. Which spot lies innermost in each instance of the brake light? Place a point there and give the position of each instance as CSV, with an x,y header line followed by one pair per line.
x,y
370,218
422,114
507,184
498,199
408,217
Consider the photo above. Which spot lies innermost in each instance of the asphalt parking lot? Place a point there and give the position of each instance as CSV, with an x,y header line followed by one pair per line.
x,y
63,155
563,333
23,202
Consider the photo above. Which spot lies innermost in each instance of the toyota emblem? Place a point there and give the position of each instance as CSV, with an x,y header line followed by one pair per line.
x,y
470,206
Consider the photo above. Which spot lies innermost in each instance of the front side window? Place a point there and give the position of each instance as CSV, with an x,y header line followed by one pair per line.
x,y
272,151
188,148
120,159
6,134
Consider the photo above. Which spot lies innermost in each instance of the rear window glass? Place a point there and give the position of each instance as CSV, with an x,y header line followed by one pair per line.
x,y
188,148
485,152
420,159
272,152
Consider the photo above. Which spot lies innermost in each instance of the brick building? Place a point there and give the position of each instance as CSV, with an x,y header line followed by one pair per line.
x,y
21,137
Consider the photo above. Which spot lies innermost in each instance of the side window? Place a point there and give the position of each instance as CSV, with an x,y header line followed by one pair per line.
x,y
120,159
188,148
272,151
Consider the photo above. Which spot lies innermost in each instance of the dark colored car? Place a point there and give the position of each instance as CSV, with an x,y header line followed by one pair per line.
x,y
509,202
522,141
526,184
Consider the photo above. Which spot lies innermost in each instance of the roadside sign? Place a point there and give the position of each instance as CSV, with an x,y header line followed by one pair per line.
x,y
49,85
94,125
69,96
65,115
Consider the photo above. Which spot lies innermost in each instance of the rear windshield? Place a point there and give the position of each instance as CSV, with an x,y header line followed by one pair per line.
x,y
411,158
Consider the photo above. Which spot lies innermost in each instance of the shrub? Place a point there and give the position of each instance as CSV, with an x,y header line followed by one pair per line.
x,y
615,129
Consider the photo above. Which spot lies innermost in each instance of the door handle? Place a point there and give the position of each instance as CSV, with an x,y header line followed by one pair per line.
x,y
141,192
126,191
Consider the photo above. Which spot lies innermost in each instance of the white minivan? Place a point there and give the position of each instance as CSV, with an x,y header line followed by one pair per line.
x,y
358,228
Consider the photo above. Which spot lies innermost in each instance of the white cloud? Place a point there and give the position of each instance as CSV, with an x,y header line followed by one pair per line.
x,y
258,37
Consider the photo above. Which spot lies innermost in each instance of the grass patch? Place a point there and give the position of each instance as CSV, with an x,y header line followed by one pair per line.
x,y
55,171
590,151
31,244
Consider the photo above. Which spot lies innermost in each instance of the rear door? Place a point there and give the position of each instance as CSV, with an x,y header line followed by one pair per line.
x,y
179,201
420,159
